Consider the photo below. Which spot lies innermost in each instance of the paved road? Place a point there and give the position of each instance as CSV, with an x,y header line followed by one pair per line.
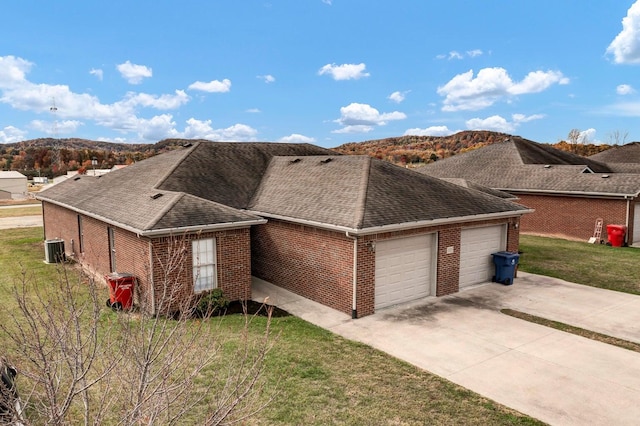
x,y
560,378
20,222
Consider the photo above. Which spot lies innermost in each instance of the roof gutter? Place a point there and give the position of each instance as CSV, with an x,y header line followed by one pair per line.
x,y
166,231
397,226
575,193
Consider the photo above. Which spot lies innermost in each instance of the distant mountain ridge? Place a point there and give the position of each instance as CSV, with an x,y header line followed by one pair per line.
x,y
53,157
415,150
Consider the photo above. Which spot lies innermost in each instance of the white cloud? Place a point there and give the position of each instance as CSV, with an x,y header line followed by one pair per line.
x,y
588,136
297,138
214,86
624,89
329,2
344,71
267,78
12,134
362,118
61,127
253,110
398,97
158,102
625,48
97,72
454,54
13,71
133,73
198,129
624,109
500,124
466,92
430,131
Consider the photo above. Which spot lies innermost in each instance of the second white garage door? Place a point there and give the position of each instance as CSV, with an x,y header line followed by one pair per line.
x,y
405,269
476,246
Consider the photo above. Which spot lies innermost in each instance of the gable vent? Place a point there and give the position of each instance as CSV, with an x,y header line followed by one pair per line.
x,y
156,196
328,160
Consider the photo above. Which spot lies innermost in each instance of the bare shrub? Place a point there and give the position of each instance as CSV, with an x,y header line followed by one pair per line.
x,y
79,362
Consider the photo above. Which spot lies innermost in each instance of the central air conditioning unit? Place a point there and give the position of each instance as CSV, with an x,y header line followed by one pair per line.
x,y
54,251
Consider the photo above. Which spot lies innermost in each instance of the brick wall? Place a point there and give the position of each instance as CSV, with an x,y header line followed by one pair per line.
x,y
448,270
173,270
318,264
314,263
571,217
170,257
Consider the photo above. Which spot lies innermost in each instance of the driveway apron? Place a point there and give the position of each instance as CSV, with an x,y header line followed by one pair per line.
x,y
557,377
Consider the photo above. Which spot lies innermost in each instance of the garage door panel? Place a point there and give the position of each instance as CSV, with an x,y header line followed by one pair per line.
x,y
636,224
404,269
477,244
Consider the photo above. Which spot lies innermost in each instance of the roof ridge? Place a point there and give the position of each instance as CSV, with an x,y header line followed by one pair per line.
x,y
361,202
170,171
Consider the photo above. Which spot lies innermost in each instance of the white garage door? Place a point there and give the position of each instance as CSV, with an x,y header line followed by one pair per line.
x,y
477,244
404,269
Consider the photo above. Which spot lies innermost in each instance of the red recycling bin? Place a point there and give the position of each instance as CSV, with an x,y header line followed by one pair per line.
x,y
615,234
120,290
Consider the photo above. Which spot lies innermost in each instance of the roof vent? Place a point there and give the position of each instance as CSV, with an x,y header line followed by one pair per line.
x,y
326,161
156,196
77,178
547,166
604,176
187,145
297,160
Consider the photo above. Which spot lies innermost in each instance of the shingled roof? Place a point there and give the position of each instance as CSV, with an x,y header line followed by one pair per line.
x,y
359,192
619,154
518,165
235,184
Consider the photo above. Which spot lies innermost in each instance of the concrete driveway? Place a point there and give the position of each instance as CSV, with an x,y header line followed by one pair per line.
x,y
554,376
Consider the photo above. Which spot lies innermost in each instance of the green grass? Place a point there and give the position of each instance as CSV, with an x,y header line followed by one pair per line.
x,y
318,377
596,265
21,211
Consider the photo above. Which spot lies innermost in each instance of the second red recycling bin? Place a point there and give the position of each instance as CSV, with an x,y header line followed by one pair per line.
x,y
615,234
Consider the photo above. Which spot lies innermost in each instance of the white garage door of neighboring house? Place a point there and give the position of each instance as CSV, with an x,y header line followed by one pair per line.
x,y
405,269
636,225
476,246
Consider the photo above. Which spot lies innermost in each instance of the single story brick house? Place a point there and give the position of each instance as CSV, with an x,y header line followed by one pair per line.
x,y
351,232
568,192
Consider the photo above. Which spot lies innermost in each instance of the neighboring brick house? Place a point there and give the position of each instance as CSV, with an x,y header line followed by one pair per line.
x,y
567,192
351,232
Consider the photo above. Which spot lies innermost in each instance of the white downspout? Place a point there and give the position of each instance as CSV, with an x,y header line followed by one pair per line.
x,y
626,235
354,306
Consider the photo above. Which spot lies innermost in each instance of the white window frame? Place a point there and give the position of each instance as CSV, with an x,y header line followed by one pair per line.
x,y
205,271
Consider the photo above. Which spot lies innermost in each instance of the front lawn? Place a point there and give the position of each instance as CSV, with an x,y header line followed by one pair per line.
x,y
596,265
319,377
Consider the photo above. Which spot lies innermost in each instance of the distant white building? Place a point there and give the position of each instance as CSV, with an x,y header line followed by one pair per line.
x,y
13,185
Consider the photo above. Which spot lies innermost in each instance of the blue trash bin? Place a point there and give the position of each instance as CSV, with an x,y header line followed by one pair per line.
x,y
505,263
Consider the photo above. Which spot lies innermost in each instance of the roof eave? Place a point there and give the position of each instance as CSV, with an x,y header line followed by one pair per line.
x,y
164,231
398,226
572,193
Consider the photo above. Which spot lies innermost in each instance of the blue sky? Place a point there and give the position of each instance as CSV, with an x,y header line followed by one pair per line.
x,y
320,71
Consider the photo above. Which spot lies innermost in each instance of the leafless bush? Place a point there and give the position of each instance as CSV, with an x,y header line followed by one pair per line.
x,y
81,362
